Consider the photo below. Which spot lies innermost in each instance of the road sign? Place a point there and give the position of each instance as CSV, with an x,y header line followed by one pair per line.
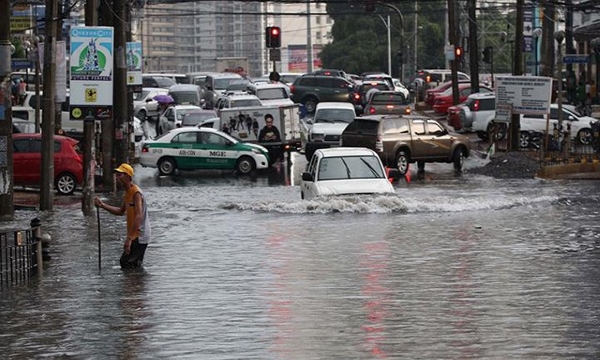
x,y
575,59
526,94
20,63
275,54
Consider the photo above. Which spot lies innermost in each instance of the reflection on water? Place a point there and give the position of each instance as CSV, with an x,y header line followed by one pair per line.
x,y
242,268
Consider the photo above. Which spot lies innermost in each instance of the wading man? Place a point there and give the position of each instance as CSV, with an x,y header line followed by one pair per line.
x,y
138,225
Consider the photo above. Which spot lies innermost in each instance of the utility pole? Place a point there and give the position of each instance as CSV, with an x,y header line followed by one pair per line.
x,y
309,49
47,171
473,47
105,18
453,38
515,124
547,48
120,84
89,153
7,210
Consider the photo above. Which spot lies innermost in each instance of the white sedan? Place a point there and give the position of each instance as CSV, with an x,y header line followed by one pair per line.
x,y
191,148
581,130
345,171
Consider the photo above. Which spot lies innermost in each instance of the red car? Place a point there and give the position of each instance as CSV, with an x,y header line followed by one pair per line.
x,y
443,100
454,115
431,93
27,162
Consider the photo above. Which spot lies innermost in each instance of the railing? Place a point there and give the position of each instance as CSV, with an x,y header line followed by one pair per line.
x,y
20,255
557,149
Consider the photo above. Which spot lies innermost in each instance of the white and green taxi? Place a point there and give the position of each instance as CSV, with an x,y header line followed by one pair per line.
x,y
191,148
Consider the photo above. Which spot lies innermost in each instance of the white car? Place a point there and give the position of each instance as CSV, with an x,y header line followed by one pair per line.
x,y
271,94
191,148
581,129
345,171
144,104
173,116
399,87
325,128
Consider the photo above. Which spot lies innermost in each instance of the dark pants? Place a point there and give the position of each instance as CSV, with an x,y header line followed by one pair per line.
x,y
136,256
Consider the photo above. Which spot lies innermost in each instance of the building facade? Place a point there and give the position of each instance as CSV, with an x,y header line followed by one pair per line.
x,y
191,36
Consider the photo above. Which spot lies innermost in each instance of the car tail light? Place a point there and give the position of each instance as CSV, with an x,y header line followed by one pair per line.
x,y
292,88
372,110
356,97
476,105
379,144
145,149
407,110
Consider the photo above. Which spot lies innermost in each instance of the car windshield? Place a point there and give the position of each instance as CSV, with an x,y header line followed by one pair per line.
x,y
165,82
272,94
245,103
181,113
192,119
137,96
368,86
350,167
229,84
334,115
383,98
185,97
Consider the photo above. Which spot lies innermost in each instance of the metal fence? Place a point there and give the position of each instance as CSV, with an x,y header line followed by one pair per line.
x,y
20,255
557,148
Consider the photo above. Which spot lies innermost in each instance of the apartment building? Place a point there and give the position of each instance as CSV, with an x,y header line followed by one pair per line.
x,y
190,36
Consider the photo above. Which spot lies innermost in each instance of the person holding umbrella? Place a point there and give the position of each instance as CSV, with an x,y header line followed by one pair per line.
x,y
164,101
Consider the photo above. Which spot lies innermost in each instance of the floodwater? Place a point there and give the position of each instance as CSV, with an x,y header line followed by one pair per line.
x,y
241,268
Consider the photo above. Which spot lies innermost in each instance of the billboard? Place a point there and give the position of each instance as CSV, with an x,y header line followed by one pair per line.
x,y
91,72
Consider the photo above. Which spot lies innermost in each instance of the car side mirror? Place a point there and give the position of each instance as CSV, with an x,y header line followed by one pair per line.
x,y
306,176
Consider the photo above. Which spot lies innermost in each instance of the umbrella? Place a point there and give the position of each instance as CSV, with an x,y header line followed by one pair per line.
x,y
164,99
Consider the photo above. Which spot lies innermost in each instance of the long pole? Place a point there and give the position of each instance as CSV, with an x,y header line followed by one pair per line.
x,y
389,36
47,171
99,242
416,39
6,168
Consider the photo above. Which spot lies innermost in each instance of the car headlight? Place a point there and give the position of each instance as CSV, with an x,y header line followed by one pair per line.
x,y
317,137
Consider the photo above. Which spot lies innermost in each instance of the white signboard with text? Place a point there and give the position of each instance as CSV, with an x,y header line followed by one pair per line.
x,y
526,94
91,72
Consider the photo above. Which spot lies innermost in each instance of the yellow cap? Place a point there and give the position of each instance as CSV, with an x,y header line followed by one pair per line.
x,y
125,169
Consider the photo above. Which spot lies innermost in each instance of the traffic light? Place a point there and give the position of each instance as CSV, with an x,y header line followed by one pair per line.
x,y
458,53
370,6
487,54
273,37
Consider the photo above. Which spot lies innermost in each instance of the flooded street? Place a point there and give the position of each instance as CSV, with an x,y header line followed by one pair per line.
x,y
242,268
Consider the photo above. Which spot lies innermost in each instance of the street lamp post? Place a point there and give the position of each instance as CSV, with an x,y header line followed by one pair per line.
x,y
537,33
595,43
401,75
559,36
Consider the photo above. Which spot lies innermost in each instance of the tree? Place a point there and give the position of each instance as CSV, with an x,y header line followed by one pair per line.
x,y
360,38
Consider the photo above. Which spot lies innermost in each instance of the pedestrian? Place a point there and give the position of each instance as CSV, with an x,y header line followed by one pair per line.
x,y
135,208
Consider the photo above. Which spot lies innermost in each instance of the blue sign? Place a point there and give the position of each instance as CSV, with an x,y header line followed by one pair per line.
x,y
19,64
575,59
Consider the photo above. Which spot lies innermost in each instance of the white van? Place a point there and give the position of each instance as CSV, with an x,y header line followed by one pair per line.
x,y
27,112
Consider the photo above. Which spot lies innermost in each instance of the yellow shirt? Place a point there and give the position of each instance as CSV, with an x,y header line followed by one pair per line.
x,y
143,232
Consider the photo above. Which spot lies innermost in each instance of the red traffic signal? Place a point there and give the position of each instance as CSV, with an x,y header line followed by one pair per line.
x,y
458,52
273,37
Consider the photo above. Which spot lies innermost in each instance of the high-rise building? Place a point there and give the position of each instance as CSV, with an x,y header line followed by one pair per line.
x,y
191,36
